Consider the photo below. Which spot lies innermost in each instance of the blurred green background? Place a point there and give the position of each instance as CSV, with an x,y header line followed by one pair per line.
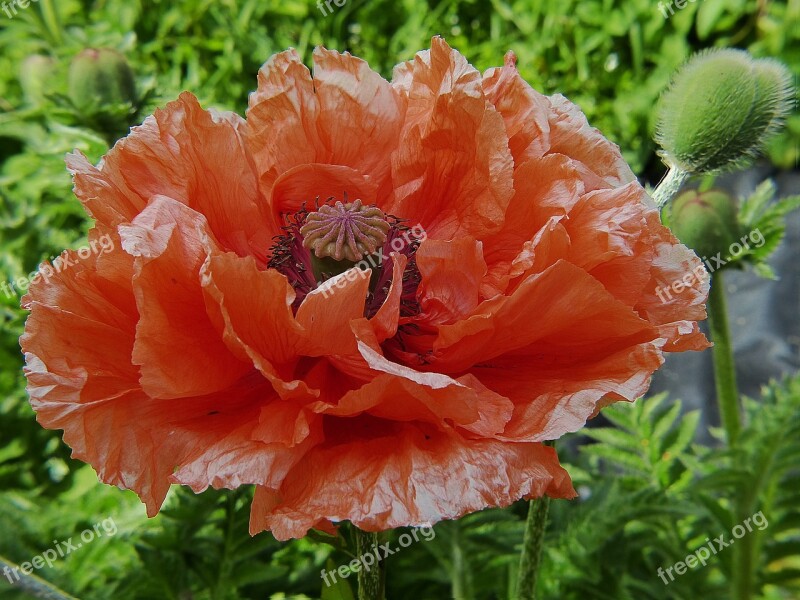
x,y
612,57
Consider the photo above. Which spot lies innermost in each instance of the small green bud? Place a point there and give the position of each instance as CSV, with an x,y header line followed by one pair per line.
x,y
720,109
35,77
100,78
706,222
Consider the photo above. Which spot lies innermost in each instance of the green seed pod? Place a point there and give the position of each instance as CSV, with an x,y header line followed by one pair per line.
x,y
99,78
35,77
720,109
706,222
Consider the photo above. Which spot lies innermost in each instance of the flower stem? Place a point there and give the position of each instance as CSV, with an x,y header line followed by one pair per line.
x,y
371,583
728,401
460,584
669,186
743,566
532,547
31,585
722,353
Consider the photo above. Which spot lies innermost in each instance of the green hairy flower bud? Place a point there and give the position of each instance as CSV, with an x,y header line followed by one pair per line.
x,y
706,222
720,109
99,78
35,77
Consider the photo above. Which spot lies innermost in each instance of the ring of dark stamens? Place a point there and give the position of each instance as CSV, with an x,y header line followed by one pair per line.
x,y
294,261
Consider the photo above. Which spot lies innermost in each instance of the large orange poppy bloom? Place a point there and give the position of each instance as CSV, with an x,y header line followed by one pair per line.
x,y
226,340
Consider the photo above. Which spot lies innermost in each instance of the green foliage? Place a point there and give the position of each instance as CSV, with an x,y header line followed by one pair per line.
x,y
473,557
761,474
763,214
633,519
200,548
660,498
648,496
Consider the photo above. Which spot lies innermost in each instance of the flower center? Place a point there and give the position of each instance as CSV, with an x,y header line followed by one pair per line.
x,y
345,231
338,236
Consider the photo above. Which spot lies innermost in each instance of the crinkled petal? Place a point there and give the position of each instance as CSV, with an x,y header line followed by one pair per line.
x,y
256,320
563,312
392,475
571,135
348,115
557,396
78,343
452,171
544,190
524,110
452,273
676,315
193,156
386,320
166,240
466,403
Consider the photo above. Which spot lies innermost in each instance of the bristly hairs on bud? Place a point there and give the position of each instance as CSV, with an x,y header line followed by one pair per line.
x,y
719,111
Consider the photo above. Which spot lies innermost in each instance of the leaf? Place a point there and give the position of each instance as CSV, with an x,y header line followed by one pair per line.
x,y
615,437
722,515
780,550
686,432
754,206
666,421
340,588
708,15
725,479
617,457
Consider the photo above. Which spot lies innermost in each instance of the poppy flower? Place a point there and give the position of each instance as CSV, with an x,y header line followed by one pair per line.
x,y
372,300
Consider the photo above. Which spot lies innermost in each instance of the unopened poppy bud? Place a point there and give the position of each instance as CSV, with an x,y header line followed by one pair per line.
x,y
99,78
720,109
705,222
35,77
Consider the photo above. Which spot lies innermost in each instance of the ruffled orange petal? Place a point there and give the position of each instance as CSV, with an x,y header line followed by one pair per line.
x,y
78,344
616,236
571,135
558,396
675,315
452,273
193,156
562,310
256,321
300,186
386,320
452,171
389,474
463,403
348,115
166,240
524,110
246,437
544,190
327,314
